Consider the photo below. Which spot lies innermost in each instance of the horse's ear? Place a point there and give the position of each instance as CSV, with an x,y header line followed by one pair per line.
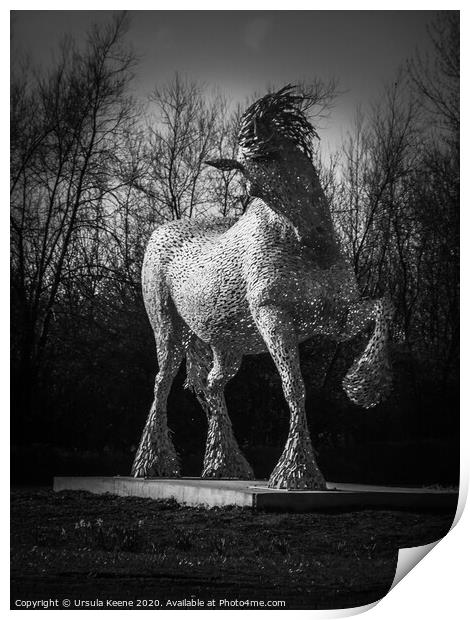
x,y
225,164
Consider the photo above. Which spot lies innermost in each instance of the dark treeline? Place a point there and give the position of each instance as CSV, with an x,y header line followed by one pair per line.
x,y
94,171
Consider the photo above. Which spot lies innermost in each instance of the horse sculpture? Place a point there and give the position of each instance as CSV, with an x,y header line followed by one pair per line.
x,y
218,289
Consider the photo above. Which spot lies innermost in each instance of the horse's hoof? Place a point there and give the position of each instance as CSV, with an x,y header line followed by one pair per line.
x,y
297,482
297,472
241,471
156,468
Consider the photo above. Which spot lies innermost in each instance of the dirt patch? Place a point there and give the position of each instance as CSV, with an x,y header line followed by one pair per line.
x,y
76,545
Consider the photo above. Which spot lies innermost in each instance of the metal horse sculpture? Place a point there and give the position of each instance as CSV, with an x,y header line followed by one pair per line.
x,y
216,290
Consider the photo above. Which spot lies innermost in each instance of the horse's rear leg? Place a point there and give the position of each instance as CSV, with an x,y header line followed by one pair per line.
x,y
156,455
223,458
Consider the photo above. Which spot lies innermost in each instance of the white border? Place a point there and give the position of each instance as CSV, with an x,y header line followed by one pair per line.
x,y
439,586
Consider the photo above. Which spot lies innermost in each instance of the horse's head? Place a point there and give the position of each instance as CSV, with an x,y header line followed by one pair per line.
x,y
275,155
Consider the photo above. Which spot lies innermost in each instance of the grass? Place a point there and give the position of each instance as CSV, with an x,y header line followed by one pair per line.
x,y
78,545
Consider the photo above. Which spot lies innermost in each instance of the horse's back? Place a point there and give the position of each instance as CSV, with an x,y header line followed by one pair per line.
x,y
170,237
171,242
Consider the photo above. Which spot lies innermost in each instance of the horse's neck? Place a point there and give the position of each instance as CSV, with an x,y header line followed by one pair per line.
x,y
262,222
311,229
320,201
268,220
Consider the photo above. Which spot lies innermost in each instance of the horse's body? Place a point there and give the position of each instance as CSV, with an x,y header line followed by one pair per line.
x,y
218,289
211,272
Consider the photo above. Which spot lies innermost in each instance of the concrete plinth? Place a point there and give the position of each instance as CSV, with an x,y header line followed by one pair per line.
x,y
255,494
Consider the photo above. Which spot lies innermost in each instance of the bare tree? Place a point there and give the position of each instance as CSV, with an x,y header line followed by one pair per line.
x,y
66,129
397,213
437,79
182,131
228,187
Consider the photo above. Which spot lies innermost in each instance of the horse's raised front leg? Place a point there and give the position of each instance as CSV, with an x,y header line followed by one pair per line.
x,y
369,380
156,455
297,468
223,458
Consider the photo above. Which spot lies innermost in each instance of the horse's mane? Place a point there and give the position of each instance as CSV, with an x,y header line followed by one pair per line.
x,y
278,114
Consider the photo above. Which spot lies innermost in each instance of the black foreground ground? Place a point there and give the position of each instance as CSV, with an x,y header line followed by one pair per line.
x,y
78,546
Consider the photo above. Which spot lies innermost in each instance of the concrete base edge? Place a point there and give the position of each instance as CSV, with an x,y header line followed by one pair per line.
x,y
255,494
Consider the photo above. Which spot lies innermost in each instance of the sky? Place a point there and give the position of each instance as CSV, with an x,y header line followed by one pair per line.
x,y
241,52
